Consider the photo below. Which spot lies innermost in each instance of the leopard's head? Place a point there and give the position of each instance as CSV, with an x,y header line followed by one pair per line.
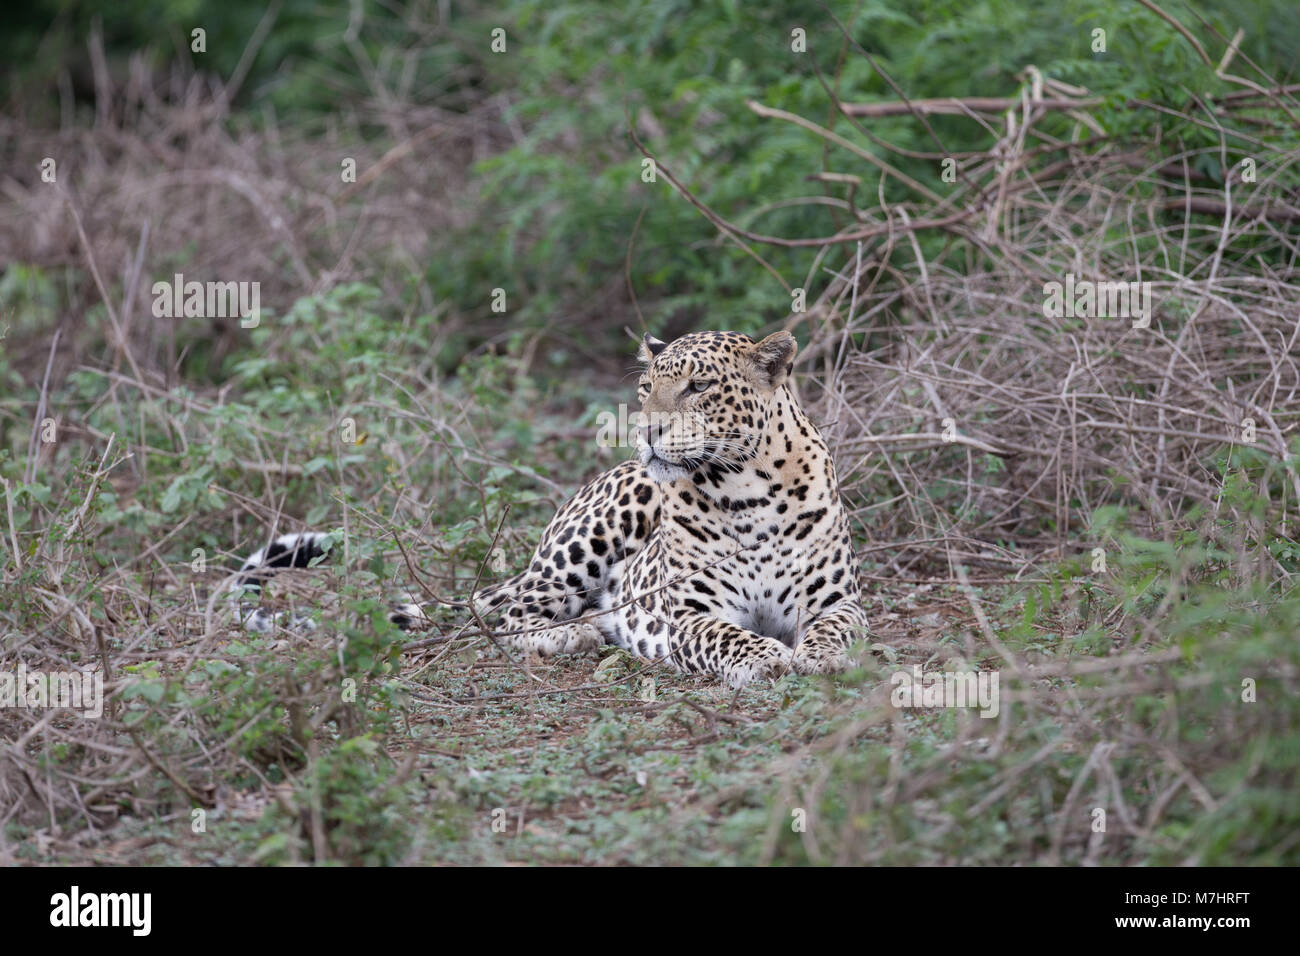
x,y
706,399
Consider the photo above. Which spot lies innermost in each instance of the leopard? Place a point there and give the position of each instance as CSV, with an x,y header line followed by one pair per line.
x,y
721,548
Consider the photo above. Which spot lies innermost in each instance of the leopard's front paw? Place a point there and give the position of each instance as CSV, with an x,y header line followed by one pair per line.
x,y
578,637
818,658
560,639
766,663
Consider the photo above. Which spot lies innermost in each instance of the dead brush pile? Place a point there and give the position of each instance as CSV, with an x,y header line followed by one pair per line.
x,y
991,390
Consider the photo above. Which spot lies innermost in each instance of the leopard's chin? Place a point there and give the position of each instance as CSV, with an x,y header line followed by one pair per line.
x,y
661,470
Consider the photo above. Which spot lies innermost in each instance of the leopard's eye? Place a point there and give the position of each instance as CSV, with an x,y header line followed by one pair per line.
x,y
643,385
700,385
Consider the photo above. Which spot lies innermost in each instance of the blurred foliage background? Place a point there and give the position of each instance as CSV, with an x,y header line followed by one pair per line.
x,y
559,196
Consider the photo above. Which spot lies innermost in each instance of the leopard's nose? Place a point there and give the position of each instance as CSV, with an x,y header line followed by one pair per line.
x,y
651,432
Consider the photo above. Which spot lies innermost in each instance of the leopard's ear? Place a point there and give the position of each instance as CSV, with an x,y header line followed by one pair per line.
x,y
773,359
649,348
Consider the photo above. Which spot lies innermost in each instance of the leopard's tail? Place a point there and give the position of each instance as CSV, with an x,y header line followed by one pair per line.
x,y
299,551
